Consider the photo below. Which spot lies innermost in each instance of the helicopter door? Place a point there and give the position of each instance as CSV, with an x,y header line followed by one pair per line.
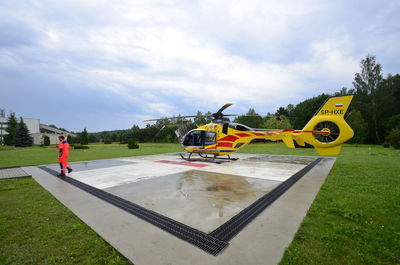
x,y
209,138
199,138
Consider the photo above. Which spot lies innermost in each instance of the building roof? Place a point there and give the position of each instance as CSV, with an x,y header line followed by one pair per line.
x,y
46,128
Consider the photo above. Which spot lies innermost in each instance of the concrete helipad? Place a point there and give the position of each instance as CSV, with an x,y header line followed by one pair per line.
x,y
161,209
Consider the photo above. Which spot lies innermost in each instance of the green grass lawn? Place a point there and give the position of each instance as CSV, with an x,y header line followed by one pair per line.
x,y
35,228
355,218
48,155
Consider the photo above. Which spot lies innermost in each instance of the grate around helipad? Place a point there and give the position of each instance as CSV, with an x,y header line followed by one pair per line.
x,y
232,227
13,172
200,239
213,242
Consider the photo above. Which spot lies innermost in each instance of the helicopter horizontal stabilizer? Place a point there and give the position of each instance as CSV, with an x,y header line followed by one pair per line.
x,y
287,139
300,142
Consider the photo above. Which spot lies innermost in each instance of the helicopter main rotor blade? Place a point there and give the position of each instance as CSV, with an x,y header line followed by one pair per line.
x,y
215,115
222,109
177,117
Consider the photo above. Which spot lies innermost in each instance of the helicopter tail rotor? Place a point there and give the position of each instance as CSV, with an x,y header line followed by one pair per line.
x,y
327,130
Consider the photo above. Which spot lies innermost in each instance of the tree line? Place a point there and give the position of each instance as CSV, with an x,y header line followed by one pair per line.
x,y
374,114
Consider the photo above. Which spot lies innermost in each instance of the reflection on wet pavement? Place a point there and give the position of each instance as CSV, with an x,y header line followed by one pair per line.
x,y
281,159
201,199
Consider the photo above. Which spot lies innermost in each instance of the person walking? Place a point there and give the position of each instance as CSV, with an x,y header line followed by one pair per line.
x,y
63,152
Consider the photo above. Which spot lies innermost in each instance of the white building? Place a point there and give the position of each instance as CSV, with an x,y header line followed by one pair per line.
x,y
36,130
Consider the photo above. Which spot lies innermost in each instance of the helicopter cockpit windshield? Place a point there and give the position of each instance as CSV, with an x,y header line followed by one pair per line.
x,y
199,138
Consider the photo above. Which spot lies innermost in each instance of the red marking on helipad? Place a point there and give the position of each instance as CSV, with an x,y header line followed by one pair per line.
x,y
184,163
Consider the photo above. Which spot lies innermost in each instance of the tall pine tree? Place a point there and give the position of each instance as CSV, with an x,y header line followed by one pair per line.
x,y
367,83
84,137
11,128
22,137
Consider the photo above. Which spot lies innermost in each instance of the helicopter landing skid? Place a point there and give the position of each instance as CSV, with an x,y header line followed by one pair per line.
x,y
205,158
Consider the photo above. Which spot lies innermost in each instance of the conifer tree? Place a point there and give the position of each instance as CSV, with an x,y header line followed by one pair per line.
x,y
70,140
22,137
84,137
11,128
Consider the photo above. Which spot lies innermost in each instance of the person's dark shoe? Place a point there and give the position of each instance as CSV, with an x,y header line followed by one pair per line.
x,y
69,170
61,175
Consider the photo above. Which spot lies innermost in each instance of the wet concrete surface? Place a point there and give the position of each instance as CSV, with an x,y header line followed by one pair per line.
x,y
95,164
201,195
302,160
200,199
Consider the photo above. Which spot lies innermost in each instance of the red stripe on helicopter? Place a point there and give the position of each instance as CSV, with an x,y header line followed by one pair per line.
x,y
229,138
225,144
256,133
288,130
211,148
243,134
309,132
339,105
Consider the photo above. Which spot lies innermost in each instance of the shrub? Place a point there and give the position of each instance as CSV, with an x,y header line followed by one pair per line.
x,y
70,140
132,144
46,140
394,138
79,146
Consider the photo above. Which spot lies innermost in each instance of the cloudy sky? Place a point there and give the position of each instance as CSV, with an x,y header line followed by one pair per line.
x,y
108,65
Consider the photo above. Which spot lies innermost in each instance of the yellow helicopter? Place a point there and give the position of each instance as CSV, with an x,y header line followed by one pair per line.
x,y
326,132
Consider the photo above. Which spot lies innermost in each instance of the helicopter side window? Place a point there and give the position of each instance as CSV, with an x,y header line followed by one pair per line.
x,y
239,127
193,139
209,138
199,138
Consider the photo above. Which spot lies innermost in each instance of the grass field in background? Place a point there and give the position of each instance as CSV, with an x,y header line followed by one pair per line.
x,y
355,218
48,155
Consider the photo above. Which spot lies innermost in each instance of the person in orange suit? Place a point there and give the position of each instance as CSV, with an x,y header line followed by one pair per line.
x,y
63,152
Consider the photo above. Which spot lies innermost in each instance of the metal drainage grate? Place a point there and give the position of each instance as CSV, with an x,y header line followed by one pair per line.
x,y
232,227
212,243
13,172
200,239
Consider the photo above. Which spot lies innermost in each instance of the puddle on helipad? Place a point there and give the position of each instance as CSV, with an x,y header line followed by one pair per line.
x,y
281,159
203,200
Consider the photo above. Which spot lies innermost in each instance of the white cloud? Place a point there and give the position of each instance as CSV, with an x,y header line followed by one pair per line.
x,y
162,55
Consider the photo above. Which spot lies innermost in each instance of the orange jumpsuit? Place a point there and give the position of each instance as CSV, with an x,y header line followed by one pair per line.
x,y
63,152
